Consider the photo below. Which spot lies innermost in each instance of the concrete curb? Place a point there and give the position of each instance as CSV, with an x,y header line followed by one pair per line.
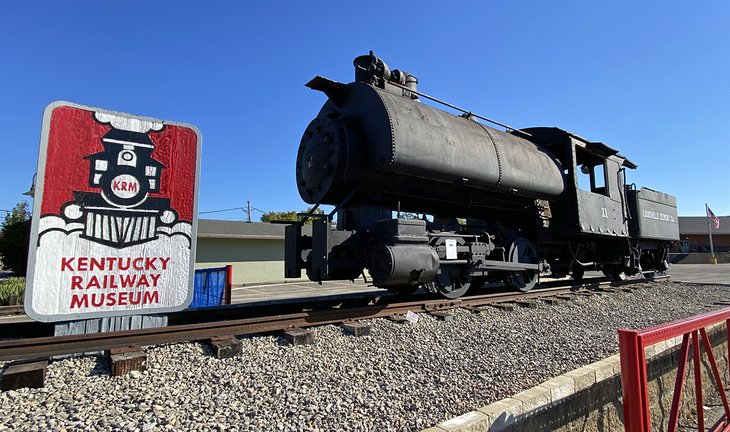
x,y
502,415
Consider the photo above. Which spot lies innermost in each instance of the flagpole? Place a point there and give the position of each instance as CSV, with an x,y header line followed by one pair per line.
x,y
709,230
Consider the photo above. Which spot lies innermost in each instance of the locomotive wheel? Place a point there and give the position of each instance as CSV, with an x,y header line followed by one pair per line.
x,y
614,272
577,273
451,282
520,250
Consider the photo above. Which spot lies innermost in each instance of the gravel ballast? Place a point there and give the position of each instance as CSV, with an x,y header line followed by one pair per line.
x,y
403,377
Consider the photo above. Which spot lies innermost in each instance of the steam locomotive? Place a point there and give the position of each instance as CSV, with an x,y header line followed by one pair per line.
x,y
119,211
483,205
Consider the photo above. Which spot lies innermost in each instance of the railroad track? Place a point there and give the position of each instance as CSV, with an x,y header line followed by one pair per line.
x,y
48,346
11,310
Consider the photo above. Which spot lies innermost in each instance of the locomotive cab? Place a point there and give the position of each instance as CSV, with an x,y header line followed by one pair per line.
x,y
599,184
602,217
595,203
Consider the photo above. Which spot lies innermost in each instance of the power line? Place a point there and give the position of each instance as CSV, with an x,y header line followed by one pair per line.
x,y
246,210
223,210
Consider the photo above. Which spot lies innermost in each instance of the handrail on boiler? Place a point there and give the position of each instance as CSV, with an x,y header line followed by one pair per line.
x,y
634,374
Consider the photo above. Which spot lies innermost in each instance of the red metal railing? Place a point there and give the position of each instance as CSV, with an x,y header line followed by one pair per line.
x,y
634,376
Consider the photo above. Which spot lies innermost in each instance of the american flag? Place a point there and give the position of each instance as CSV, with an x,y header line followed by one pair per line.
x,y
714,218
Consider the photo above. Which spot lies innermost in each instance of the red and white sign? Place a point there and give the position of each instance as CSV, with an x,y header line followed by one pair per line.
x,y
114,220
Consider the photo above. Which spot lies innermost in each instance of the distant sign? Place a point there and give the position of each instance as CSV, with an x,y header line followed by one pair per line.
x,y
114,220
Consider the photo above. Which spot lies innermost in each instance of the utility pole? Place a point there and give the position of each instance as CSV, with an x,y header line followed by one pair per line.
x,y
248,210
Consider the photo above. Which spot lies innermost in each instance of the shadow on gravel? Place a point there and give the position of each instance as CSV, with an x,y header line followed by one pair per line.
x,y
101,367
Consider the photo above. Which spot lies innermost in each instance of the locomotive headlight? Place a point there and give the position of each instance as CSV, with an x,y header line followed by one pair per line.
x,y
125,186
127,157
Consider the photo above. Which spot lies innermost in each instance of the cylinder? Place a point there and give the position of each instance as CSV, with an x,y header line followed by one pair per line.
x,y
402,265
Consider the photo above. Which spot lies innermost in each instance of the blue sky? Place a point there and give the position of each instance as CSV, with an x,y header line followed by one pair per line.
x,y
649,78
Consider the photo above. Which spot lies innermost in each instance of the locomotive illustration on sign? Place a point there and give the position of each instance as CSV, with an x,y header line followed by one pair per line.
x,y
493,206
121,212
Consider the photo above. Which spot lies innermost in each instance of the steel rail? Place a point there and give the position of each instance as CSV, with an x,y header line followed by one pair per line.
x,y
47,346
11,310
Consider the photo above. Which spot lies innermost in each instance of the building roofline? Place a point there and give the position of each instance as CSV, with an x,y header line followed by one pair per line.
x,y
697,225
239,236
226,229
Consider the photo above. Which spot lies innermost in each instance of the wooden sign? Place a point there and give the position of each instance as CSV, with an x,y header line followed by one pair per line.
x,y
115,215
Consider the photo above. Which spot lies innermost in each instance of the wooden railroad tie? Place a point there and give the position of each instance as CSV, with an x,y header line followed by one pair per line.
x,y
442,316
298,336
504,306
24,374
474,309
528,304
356,328
398,318
123,360
225,346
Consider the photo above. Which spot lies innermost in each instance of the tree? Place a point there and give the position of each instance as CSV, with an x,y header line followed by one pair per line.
x,y
271,216
15,239
287,216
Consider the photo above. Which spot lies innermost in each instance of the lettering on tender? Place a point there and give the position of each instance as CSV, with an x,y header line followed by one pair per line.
x,y
651,214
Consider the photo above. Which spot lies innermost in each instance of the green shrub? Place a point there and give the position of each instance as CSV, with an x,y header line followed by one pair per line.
x,y
9,287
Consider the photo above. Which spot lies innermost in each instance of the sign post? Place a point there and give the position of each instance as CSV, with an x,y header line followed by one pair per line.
x,y
115,215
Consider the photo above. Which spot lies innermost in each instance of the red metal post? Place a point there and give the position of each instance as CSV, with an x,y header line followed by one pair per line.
x,y
698,382
715,371
633,382
679,384
229,283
